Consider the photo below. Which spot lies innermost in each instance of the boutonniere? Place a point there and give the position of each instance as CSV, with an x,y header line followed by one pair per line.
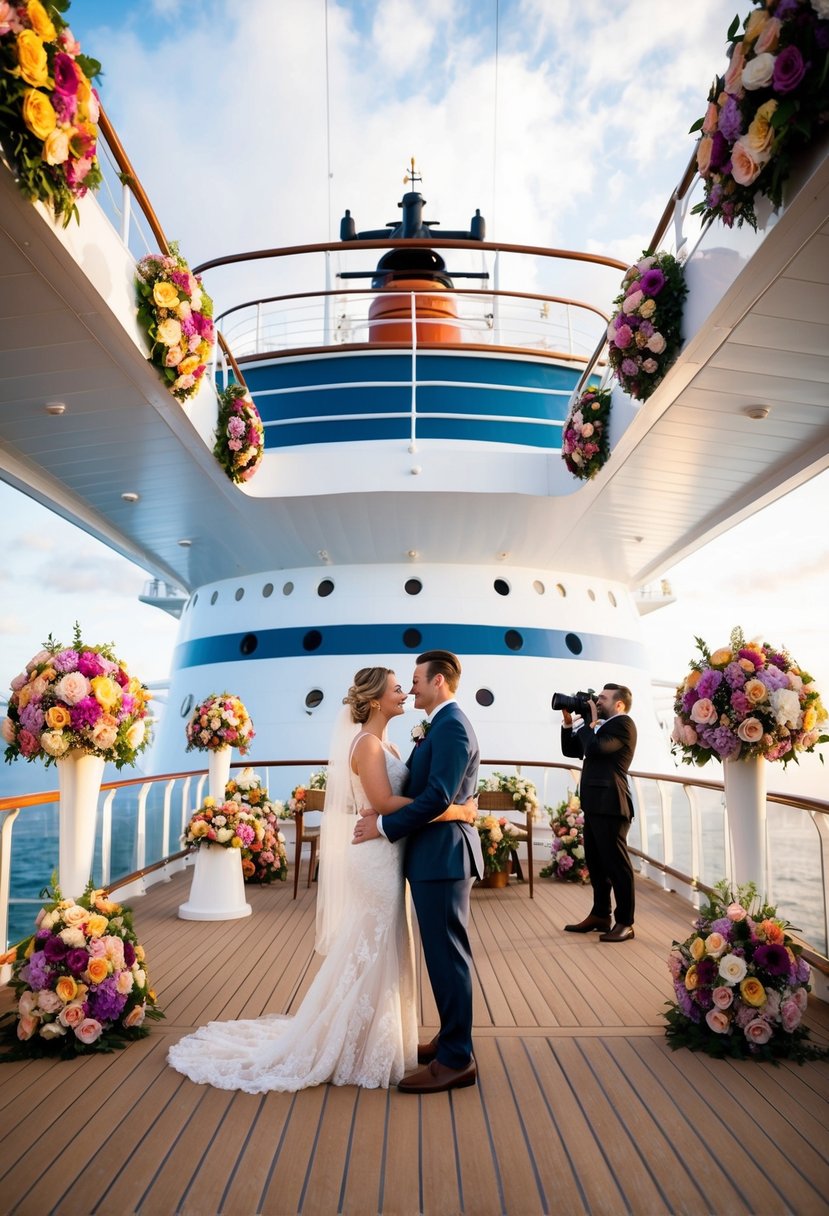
x,y
420,731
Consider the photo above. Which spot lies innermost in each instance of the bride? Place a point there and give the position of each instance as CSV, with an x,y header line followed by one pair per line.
x,y
357,1024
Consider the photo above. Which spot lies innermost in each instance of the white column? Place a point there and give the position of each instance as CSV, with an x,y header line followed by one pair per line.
x,y
745,808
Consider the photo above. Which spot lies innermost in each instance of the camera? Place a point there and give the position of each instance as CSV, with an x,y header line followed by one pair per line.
x,y
577,704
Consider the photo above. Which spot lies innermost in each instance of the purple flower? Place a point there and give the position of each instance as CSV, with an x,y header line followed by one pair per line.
x,y
105,1002
624,335
629,367
683,999
646,328
735,675
723,926
85,714
720,153
188,326
740,703
36,973
181,280
90,665
774,959
689,699
704,998
32,716
730,124
751,656
54,949
723,741
65,661
653,281
76,960
709,682
774,678
789,70
129,954
803,972
707,972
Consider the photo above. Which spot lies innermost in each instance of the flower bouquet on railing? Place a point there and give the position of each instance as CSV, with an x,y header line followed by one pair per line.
x,y
585,443
644,333
519,794
48,107
499,840
771,103
220,721
80,981
740,982
176,315
265,858
310,796
77,698
240,436
567,822
746,700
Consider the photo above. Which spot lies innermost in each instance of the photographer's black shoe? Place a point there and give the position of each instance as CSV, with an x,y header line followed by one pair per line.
x,y
590,924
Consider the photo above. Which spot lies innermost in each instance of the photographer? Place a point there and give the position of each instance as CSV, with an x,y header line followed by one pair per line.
x,y
606,746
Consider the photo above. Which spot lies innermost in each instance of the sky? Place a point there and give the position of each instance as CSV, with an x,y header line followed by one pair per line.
x,y
249,128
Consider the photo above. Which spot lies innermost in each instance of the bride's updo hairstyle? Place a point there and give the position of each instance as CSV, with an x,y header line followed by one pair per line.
x,y
369,685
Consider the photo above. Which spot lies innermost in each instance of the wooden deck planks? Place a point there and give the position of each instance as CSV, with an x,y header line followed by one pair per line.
x,y
581,1106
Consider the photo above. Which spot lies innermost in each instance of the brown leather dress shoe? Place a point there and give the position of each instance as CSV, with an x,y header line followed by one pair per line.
x,y
590,924
436,1078
619,933
426,1052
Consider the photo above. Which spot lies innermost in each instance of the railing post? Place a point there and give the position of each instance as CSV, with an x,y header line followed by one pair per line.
x,y
5,875
326,330
106,839
126,208
165,818
496,299
141,828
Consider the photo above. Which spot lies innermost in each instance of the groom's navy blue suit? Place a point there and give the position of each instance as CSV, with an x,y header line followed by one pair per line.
x,y
441,861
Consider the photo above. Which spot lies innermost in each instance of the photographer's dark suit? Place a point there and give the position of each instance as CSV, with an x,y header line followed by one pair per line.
x,y
608,809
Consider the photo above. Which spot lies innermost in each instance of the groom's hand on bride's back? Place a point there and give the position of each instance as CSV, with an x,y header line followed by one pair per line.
x,y
366,826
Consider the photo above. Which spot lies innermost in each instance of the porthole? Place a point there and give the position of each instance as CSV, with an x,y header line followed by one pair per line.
x,y
413,586
248,643
501,586
412,638
612,598
314,698
240,594
561,589
484,696
591,594
187,705
312,640
214,597
573,643
513,639
538,587
287,589
267,591
325,587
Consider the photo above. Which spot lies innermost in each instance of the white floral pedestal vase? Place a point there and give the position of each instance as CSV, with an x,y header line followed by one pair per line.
x,y
218,773
745,809
79,781
217,891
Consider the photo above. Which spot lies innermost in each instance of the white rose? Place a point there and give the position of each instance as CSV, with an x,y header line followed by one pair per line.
x,y
73,937
136,733
54,743
758,72
786,706
578,852
733,968
224,834
52,1030
75,915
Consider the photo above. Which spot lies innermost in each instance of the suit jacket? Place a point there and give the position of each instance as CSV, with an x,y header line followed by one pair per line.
x,y
607,755
443,769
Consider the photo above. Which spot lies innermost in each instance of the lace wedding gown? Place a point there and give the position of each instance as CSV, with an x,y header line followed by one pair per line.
x,y
357,1024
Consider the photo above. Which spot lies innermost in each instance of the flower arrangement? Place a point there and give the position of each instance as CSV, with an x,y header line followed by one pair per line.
x,y
585,444
48,107
499,840
522,792
76,698
741,986
744,700
420,731
265,858
567,822
227,824
770,103
80,980
220,721
297,802
240,436
644,333
177,316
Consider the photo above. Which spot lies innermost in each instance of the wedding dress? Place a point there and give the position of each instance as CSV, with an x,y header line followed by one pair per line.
x,y
357,1024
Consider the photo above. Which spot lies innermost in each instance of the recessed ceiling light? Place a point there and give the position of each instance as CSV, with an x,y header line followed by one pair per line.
x,y
757,412
413,553
502,557
130,496
185,543
55,408
322,554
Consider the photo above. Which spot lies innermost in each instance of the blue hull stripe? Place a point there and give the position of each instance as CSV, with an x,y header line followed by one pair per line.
x,y
364,640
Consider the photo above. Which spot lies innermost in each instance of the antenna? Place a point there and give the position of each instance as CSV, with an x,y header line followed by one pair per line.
x,y
410,176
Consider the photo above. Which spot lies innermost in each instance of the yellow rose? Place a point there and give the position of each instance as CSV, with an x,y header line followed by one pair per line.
x,y
96,925
810,719
56,147
755,25
66,988
647,308
200,828
97,970
57,717
38,113
692,679
691,980
188,365
41,21
165,295
31,55
169,332
106,692
756,691
697,949
760,135
721,657
753,992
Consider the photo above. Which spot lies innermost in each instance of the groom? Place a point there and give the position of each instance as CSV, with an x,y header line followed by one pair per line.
x,y
440,863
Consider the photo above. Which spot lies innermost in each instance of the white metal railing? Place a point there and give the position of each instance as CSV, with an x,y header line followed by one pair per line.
x,y
679,834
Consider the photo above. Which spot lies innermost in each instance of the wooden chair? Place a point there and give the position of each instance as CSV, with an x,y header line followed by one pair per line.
x,y
498,803
314,801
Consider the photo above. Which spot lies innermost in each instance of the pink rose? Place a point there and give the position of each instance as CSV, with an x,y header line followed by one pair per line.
x,y
689,736
27,1026
718,1021
745,165
28,743
632,302
790,1015
135,1017
656,343
72,1014
757,1031
769,36
703,711
711,120
7,730
49,1001
27,1003
801,997
736,912
750,731
72,688
723,997
733,81
88,1031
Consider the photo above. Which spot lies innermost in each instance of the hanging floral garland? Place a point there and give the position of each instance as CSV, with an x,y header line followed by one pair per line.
x,y
644,333
240,436
770,104
176,314
48,107
585,443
